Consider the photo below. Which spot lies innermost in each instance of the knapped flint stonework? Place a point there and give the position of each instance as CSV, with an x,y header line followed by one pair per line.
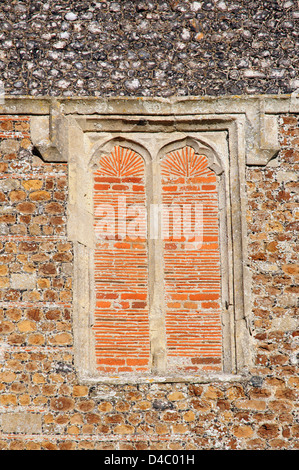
x,y
149,48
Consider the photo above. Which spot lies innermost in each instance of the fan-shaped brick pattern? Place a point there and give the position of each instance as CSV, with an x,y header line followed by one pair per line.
x,y
122,162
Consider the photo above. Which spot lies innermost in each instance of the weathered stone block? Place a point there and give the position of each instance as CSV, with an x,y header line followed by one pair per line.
x,y
23,281
27,423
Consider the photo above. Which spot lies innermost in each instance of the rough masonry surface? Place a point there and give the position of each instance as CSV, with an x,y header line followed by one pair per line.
x,y
149,48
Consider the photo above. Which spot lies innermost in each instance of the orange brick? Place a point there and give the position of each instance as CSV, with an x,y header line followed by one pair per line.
x,y
121,245
138,187
170,188
134,296
214,305
101,187
120,187
103,304
206,296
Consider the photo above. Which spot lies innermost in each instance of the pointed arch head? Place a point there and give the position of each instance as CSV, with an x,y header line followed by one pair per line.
x,y
105,149
200,148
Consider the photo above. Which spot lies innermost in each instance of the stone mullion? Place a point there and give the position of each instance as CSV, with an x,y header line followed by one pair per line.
x,y
156,269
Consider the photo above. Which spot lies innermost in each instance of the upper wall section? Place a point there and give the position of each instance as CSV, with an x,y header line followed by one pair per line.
x,y
148,48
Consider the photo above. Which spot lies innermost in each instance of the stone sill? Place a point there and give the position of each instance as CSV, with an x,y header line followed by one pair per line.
x,y
127,379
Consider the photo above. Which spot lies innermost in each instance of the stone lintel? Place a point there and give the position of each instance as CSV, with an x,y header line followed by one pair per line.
x,y
49,123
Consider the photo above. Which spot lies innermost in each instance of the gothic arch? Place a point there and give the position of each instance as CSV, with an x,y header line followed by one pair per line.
x,y
104,149
201,147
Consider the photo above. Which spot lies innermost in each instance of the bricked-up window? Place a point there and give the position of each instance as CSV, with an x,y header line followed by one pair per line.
x,y
192,267
165,311
121,265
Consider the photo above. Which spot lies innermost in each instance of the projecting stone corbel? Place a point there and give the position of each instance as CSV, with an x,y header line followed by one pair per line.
x,y
261,135
48,134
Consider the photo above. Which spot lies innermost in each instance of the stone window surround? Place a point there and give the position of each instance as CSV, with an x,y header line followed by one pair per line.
x,y
75,131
